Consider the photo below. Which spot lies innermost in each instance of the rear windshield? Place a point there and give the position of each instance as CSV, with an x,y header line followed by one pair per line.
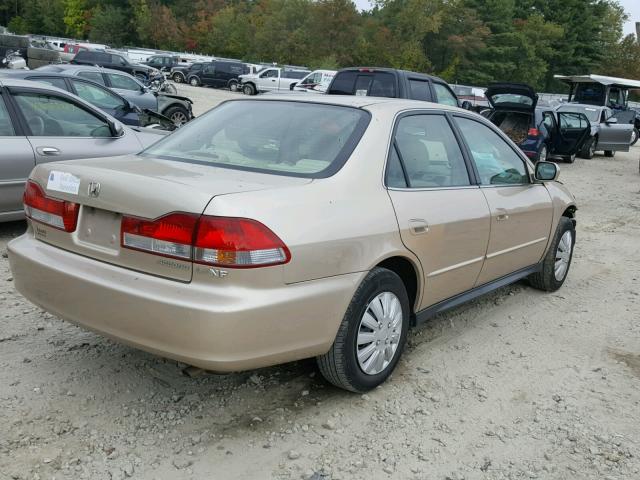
x,y
375,84
280,137
512,99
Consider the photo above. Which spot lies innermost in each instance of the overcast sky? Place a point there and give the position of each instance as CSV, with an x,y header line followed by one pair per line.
x,y
631,6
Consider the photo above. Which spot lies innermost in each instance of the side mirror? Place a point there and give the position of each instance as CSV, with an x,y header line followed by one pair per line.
x,y
611,121
547,171
117,130
466,105
292,85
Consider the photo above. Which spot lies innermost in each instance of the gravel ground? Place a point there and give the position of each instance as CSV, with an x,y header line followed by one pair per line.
x,y
516,385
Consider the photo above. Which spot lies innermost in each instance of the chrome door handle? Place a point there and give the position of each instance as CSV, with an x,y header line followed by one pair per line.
x,y
417,226
50,151
502,215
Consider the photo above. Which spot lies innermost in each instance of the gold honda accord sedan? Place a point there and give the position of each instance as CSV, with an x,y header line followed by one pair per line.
x,y
276,229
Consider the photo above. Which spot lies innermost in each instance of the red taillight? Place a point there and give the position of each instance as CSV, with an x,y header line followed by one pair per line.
x,y
534,132
170,236
219,241
366,70
238,242
59,214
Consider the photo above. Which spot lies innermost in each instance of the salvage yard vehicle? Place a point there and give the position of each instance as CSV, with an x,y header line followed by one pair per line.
x,y
606,135
114,60
402,209
218,74
40,123
540,132
389,82
605,91
175,107
97,95
271,79
316,82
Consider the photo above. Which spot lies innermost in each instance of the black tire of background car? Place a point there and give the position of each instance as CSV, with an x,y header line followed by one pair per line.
x,y
589,148
177,77
543,153
569,158
194,81
609,153
175,109
340,364
634,137
545,279
233,85
248,89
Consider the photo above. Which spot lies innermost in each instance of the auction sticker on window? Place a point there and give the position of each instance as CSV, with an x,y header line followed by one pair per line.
x,y
63,182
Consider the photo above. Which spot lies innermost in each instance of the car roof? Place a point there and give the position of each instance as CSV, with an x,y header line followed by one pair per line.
x,y
355,101
390,70
85,68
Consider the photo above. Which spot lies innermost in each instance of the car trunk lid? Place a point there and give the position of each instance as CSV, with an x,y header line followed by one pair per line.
x,y
512,96
141,187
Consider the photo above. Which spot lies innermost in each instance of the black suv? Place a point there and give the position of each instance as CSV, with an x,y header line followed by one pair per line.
x,y
180,73
115,60
218,74
166,62
389,82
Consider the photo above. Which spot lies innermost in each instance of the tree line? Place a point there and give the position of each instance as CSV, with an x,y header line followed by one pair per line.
x,y
464,41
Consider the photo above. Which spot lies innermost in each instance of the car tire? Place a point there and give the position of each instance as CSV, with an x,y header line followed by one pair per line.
x,y
589,148
543,153
341,365
634,137
177,77
569,158
559,254
194,82
609,153
249,89
233,86
177,114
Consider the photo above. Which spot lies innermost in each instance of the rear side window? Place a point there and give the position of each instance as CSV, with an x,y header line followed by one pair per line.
x,y
54,82
429,153
287,138
6,128
445,96
377,84
95,76
495,160
419,89
123,82
118,60
343,83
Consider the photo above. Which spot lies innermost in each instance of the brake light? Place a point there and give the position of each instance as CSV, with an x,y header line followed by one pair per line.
x,y
238,243
533,132
169,236
219,241
366,70
59,214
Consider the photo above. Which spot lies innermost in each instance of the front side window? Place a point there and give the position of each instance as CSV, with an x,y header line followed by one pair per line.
x,y
270,74
118,60
445,97
52,116
290,138
94,76
429,153
209,69
100,97
6,127
495,160
123,82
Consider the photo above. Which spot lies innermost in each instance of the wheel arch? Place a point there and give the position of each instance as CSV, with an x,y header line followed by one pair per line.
x,y
408,272
570,212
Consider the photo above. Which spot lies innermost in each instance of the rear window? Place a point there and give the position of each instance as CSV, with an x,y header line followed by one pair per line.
x,y
87,56
512,99
297,74
279,137
374,84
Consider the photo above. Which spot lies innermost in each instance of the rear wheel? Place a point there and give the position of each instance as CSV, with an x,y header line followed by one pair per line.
x,y
609,153
194,82
634,136
569,158
556,263
249,89
233,86
372,334
589,148
178,115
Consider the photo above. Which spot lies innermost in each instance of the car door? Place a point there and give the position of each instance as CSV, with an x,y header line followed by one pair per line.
x,y
16,162
573,129
614,134
268,79
521,211
59,127
105,100
207,76
130,89
443,217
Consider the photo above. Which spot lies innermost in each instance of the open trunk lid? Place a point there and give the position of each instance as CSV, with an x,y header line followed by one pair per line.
x,y
512,96
143,187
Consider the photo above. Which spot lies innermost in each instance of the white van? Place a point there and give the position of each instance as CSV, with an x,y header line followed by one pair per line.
x,y
316,82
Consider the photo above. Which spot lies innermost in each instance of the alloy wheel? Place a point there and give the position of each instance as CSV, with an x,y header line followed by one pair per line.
x,y
634,136
563,256
179,118
379,333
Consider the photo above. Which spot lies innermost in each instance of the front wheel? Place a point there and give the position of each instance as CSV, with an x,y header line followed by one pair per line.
x,y
372,334
589,148
194,82
233,86
178,115
634,136
177,77
556,263
249,89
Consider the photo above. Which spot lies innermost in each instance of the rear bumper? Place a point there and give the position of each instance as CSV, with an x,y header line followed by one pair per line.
x,y
225,330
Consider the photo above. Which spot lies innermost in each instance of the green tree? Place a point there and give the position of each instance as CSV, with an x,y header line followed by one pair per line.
x,y
106,26
75,17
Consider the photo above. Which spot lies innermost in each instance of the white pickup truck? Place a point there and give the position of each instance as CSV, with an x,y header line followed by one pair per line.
x,y
271,79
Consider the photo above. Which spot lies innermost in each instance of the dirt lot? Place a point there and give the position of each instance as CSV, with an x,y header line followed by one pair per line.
x,y
516,385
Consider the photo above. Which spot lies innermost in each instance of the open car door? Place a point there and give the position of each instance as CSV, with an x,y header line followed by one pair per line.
x,y
573,129
615,133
